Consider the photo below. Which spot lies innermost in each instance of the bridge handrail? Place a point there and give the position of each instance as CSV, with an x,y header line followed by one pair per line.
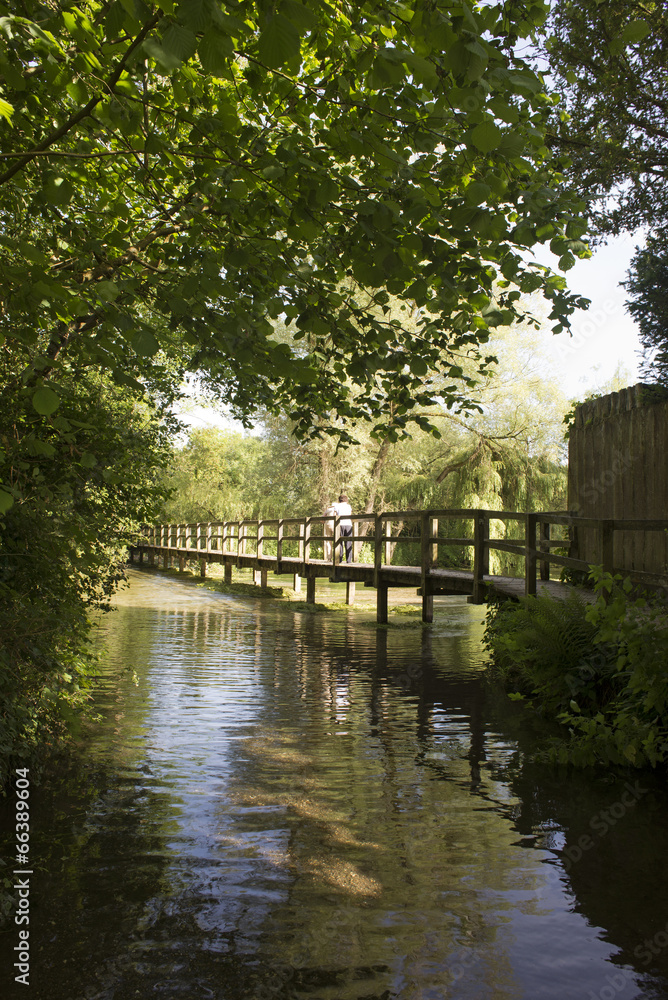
x,y
535,547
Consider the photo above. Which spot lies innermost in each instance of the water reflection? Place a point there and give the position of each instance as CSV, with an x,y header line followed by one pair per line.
x,y
294,805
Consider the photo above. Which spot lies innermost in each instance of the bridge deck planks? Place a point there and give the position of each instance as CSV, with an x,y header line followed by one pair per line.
x,y
440,581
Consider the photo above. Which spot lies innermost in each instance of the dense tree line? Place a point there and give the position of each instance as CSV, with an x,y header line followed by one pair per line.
x,y
507,455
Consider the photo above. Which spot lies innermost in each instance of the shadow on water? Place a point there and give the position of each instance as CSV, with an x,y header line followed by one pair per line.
x,y
294,805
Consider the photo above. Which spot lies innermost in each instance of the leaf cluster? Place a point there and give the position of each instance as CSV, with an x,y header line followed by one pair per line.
x,y
176,176
598,669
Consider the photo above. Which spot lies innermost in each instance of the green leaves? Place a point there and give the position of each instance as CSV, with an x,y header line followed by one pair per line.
x,y
46,401
6,501
257,167
179,43
6,110
635,31
144,343
214,50
486,136
279,42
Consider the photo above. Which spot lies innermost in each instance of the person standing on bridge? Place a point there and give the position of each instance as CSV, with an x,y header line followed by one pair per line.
x,y
344,510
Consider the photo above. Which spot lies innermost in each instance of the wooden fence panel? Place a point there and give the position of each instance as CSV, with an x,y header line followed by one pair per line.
x,y
617,469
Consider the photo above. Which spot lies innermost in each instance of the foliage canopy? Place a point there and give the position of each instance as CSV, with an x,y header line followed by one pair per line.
x,y
175,176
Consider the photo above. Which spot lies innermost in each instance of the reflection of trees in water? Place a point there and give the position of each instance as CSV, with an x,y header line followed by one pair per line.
x,y
380,837
355,830
610,832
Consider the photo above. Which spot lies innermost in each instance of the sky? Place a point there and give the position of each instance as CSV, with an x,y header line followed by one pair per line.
x,y
604,336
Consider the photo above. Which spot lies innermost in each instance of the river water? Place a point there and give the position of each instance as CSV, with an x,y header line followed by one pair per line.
x,y
289,804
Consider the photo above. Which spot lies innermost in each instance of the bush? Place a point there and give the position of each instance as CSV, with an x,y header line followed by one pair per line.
x,y
598,669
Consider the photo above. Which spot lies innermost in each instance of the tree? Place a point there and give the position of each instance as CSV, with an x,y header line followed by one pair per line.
x,y
175,176
509,455
609,63
86,477
647,286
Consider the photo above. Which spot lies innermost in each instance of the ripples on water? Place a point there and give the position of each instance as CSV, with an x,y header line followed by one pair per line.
x,y
297,805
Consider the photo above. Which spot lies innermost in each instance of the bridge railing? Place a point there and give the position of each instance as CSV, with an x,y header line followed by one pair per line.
x,y
303,539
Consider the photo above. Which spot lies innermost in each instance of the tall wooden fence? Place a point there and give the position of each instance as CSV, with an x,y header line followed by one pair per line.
x,y
618,470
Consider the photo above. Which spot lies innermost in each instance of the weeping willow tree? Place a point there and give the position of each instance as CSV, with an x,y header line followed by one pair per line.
x,y
506,454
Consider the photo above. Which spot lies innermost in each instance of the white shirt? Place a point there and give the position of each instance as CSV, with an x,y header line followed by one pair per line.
x,y
342,510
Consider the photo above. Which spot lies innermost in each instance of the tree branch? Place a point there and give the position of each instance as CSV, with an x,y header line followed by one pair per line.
x,y
74,120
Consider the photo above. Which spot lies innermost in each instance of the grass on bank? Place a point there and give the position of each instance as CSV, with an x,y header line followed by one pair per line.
x,y
600,670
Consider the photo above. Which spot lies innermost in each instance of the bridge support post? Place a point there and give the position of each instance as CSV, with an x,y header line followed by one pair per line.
x,y
381,603
426,557
310,590
228,572
263,578
480,555
165,560
350,592
182,564
297,583
427,605
202,568
531,555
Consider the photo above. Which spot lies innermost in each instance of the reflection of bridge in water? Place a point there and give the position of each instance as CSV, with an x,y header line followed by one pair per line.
x,y
537,543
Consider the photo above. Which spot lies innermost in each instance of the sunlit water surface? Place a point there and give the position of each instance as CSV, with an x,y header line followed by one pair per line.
x,y
292,804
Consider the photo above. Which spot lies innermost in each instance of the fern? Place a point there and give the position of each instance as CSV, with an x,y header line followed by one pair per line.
x,y
599,670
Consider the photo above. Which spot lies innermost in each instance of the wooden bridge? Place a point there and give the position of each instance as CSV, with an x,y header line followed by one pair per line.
x,y
308,548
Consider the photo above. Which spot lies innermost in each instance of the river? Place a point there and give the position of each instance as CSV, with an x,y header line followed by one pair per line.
x,y
286,804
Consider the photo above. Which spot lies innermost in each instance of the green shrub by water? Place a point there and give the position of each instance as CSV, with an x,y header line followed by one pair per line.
x,y
600,670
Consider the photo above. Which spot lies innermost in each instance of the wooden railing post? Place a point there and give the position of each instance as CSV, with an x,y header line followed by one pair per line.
x,y
545,548
302,531
377,549
356,544
530,554
209,530
279,543
260,538
426,555
480,555
336,535
307,542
